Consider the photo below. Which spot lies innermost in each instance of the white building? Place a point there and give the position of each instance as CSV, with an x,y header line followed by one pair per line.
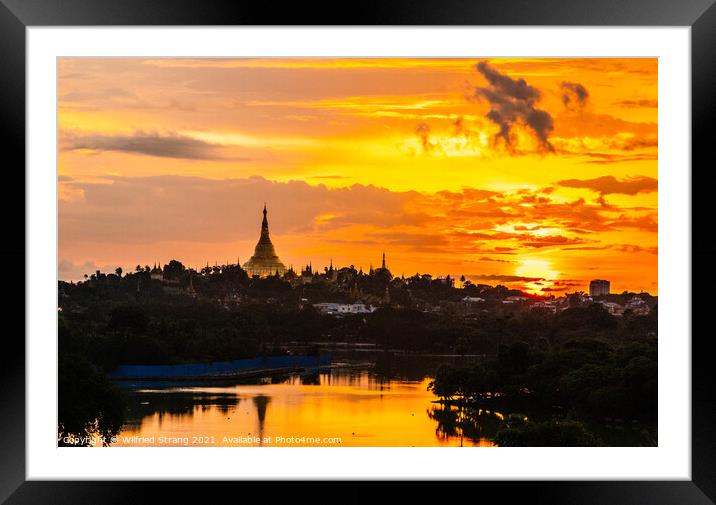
x,y
340,309
515,299
613,308
546,305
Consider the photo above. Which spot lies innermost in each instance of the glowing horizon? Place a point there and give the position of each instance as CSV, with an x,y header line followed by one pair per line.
x,y
540,174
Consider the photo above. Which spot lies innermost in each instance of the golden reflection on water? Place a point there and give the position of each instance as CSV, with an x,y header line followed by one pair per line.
x,y
326,410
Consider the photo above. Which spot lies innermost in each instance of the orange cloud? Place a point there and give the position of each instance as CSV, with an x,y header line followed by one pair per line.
x,y
609,184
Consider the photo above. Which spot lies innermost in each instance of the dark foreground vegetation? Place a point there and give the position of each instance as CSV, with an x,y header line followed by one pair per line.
x,y
588,380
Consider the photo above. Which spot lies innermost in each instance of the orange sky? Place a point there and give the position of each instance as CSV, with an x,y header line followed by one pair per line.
x,y
535,173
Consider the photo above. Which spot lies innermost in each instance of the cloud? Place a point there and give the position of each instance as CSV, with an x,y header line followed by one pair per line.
x,y
600,126
459,128
505,278
329,177
643,223
587,248
608,185
141,210
423,133
605,158
496,260
633,104
513,101
632,248
70,270
568,282
520,227
169,145
573,93
538,242
633,143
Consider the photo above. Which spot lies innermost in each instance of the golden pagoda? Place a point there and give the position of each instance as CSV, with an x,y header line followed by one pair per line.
x,y
265,261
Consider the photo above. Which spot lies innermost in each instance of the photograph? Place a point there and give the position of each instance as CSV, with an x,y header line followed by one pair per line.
x,y
344,251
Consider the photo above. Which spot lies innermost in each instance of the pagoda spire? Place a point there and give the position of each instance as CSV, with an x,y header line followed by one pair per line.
x,y
264,228
383,266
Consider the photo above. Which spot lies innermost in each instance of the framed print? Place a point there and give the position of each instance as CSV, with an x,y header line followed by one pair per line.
x,y
439,243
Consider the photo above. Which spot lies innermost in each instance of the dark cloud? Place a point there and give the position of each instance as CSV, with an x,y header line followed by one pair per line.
x,y
459,127
574,94
609,184
514,101
423,133
602,201
170,145
496,260
568,282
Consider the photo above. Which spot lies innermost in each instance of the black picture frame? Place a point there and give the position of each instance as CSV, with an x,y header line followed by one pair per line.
x,y
17,15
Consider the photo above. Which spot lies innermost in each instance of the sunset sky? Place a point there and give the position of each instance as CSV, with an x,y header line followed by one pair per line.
x,y
535,173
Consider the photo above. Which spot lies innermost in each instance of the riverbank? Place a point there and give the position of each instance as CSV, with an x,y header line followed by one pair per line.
x,y
235,369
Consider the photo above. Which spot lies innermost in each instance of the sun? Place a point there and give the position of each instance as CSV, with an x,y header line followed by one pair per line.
x,y
541,270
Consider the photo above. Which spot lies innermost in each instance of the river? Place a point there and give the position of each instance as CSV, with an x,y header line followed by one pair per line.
x,y
365,398
361,400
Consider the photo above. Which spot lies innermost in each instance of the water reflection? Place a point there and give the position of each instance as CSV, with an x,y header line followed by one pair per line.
x,y
364,399
261,402
366,402
370,400
465,423
175,404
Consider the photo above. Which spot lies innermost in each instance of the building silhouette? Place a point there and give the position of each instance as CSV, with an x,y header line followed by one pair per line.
x,y
598,287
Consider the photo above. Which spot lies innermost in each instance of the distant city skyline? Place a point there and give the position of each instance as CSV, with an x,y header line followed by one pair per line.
x,y
539,174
